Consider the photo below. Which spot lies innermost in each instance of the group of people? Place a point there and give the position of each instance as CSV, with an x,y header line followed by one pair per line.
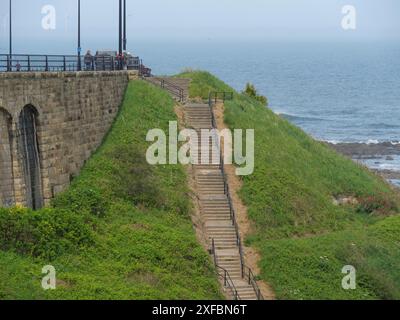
x,y
89,60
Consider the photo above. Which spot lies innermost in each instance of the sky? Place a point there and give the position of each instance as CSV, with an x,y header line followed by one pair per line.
x,y
197,20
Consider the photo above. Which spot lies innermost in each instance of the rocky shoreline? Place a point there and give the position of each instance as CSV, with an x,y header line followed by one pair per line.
x,y
364,152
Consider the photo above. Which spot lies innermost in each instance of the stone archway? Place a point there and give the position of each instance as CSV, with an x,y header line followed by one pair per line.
x,y
6,161
29,151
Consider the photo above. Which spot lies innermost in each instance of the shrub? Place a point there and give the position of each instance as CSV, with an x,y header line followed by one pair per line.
x,y
251,91
379,204
45,233
81,199
134,177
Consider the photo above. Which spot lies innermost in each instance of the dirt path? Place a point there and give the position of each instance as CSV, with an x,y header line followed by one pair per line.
x,y
252,256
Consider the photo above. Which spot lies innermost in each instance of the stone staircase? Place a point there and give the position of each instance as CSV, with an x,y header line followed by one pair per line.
x,y
220,226
215,206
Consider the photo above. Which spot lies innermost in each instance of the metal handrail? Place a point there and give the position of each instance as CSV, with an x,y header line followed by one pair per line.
x,y
213,97
36,62
252,281
57,63
228,282
169,86
165,84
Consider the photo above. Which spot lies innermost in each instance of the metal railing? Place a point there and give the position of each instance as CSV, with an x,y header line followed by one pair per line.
x,y
223,274
35,62
247,274
214,96
172,88
58,63
143,70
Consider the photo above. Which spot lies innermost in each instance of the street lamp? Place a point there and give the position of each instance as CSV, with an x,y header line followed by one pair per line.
x,y
79,36
10,60
120,28
124,25
120,36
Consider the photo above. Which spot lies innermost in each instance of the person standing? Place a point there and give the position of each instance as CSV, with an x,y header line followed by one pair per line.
x,y
88,60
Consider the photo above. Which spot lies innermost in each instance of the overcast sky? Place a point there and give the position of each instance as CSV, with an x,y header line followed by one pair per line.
x,y
198,20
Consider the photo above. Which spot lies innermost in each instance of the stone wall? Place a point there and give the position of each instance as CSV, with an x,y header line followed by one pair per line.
x,y
68,113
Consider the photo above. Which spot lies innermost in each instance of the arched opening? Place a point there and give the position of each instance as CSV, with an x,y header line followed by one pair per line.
x,y
29,150
6,163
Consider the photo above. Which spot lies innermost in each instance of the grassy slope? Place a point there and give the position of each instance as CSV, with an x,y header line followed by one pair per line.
x,y
122,230
304,239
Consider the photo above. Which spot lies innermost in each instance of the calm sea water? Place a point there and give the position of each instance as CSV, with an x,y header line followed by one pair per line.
x,y
347,92
337,92
340,92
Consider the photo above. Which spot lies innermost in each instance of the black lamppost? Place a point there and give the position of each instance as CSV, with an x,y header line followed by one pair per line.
x,y
124,25
79,36
120,37
10,61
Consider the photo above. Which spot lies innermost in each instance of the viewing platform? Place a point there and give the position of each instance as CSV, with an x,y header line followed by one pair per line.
x,y
102,61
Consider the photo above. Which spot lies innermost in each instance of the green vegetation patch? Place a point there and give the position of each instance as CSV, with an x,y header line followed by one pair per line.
x,y
121,231
304,236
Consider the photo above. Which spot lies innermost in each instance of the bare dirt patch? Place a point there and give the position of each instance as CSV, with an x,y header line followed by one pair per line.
x,y
252,256
143,277
139,226
63,284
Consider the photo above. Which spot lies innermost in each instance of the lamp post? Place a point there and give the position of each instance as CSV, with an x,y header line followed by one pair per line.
x,y
10,52
79,36
120,36
124,25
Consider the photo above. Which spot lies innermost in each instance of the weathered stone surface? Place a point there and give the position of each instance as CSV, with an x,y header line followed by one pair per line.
x,y
74,112
133,74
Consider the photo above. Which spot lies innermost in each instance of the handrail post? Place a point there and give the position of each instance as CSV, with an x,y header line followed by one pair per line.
x,y
47,64
225,277
29,63
65,63
214,252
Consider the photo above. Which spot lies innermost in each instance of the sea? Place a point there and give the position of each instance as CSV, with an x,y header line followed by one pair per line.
x,y
335,91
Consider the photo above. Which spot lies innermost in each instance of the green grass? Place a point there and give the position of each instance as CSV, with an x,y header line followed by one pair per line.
x,y
121,231
303,237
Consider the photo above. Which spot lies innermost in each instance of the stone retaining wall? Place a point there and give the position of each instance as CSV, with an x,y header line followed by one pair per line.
x,y
72,110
